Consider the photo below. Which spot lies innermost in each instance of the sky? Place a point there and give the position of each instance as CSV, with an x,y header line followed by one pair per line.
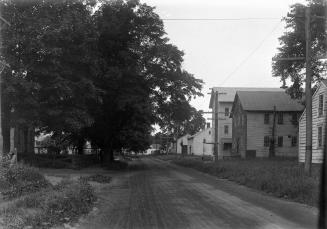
x,y
233,53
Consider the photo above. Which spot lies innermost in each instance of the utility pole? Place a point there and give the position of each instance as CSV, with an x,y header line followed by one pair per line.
x,y
308,95
215,146
272,142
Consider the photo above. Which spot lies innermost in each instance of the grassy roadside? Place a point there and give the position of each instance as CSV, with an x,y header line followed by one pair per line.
x,y
32,202
280,178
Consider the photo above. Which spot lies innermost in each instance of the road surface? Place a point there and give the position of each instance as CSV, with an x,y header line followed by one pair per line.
x,y
162,195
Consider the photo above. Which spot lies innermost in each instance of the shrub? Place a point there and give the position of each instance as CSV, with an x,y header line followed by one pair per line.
x,y
47,160
20,179
61,203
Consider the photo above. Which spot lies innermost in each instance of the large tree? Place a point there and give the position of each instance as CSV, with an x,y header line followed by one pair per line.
x,y
98,70
49,47
292,44
141,76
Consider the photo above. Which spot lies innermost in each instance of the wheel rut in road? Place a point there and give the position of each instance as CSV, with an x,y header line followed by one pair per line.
x,y
162,195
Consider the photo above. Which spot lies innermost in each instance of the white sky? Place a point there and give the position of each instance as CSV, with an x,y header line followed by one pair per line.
x,y
215,49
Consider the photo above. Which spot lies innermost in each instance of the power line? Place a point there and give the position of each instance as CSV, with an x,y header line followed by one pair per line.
x,y
221,19
251,53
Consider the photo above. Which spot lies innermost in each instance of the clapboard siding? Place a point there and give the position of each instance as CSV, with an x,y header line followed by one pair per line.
x,y
197,145
182,140
317,121
256,130
239,129
222,121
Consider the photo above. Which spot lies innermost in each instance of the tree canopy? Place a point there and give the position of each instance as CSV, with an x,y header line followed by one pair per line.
x,y
292,44
103,71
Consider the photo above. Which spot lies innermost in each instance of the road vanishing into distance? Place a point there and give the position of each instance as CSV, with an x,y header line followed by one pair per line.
x,y
158,194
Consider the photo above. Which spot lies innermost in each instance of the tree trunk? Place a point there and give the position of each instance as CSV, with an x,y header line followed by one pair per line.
x,y
108,156
6,129
80,147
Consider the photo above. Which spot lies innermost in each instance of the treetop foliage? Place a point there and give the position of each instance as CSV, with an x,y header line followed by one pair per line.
x,y
94,70
292,44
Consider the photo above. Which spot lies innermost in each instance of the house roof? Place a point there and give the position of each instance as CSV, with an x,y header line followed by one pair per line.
x,y
184,136
266,100
227,94
201,131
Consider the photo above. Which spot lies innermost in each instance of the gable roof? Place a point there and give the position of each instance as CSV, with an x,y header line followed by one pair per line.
x,y
266,100
227,94
200,132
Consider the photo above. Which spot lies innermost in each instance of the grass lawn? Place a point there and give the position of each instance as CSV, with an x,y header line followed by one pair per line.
x,y
280,177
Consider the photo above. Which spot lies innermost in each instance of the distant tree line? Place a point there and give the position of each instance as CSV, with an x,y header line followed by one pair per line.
x,y
102,71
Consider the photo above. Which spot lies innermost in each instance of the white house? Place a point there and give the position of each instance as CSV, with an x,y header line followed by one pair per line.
x,y
201,143
225,102
182,144
319,110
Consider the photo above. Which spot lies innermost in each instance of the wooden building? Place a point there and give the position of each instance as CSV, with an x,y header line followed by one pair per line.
x,y
265,123
182,145
225,101
319,110
201,143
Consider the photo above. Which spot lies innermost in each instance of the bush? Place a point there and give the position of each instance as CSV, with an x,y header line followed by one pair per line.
x,y
59,204
20,179
281,178
47,160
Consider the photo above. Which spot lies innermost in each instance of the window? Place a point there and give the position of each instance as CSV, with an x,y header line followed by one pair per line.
x,y
321,105
226,129
294,119
209,132
266,120
294,140
204,140
266,141
280,118
280,141
226,111
227,146
320,136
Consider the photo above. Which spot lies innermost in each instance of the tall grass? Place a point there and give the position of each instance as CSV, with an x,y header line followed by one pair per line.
x,y
62,203
281,178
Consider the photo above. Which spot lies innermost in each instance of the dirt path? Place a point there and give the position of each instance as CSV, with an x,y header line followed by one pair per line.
x,y
162,195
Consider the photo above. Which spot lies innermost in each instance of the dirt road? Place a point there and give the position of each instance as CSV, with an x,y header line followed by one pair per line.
x,y
162,195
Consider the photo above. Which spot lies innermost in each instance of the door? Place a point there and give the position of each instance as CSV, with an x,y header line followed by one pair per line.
x,y
184,149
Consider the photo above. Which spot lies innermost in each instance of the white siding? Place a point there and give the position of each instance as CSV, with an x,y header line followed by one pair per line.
x,y
198,147
183,139
317,121
222,121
